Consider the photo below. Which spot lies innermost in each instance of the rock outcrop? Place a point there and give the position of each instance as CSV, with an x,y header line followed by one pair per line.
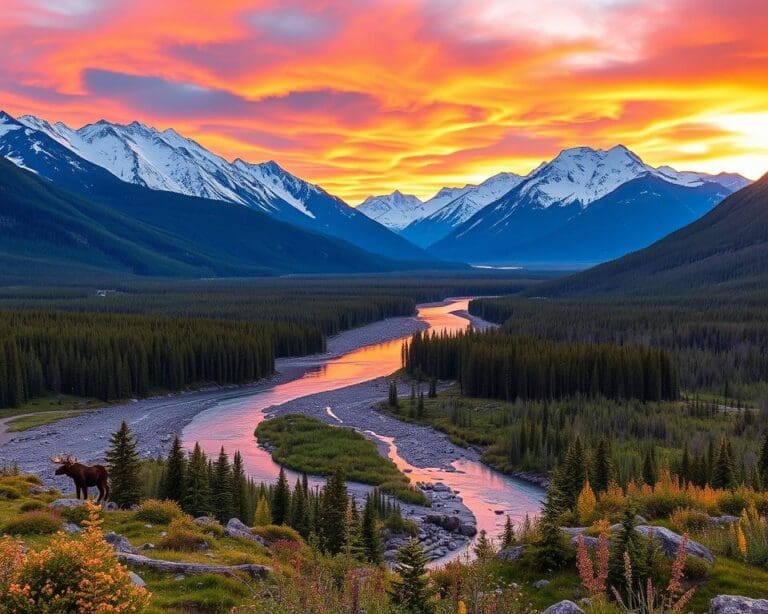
x,y
669,541
564,607
733,604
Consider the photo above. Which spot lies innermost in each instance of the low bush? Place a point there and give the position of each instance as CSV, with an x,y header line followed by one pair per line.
x,y
32,504
274,533
76,514
184,536
35,522
9,492
158,512
687,520
696,569
661,504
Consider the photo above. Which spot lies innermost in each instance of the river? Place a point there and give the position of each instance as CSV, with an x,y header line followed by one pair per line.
x,y
489,495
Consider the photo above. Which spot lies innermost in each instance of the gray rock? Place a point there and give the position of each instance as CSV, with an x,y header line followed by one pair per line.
x,y
136,579
147,546
564,607
111,506
66,503
723,520
732,604
510,554
669,541
180,577
590,542
119,543
541,584
236,528
71,528
390,555
36,489
468,529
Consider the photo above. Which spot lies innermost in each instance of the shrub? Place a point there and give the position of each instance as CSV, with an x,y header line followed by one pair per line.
x,y
158,512
661,504
79,574
32,504
273,533
732,503
695,569
35,522
9,492
687,520
76,514
185,536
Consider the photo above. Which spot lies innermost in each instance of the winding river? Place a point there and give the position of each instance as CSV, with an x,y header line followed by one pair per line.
x,y
231,423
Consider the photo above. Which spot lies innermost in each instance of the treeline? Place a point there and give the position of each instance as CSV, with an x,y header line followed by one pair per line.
x,y
111,356
718,345
495,364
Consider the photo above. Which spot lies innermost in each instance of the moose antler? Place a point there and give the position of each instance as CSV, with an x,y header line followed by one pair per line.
x,y
61,459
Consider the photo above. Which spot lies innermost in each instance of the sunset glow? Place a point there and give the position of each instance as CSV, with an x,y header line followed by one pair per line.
x,y
365,97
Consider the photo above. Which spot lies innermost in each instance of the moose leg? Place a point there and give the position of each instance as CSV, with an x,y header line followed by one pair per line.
x,y
100,487
85,493
77,491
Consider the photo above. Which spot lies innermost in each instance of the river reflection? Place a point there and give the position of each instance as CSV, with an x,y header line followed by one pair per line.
x,y
231,423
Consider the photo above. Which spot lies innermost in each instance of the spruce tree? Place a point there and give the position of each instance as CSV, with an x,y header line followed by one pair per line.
x,y
432,394
551,551
626,540
393,400
124,467
299,519
240,506
723,473
373,547
221,488
508,536
332,510
685,466
198,499
281,500
410,589
650,476
420,406
602,472
262,516
353,538
174,479
762,463
483,547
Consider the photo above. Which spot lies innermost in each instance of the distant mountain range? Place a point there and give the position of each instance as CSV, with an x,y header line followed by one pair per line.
x,y
722,254
167,161
543,217
584,206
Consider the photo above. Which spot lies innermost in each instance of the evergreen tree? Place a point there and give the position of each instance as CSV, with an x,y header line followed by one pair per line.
x,y
551,551
240,505
602,471
420,406
508,536
198,499
723,474
410,590
221,488
174,480
762,463
299,519
483,547
432,394
626,539
262,516
373,547
570,477
332,510
393,400
281,500
685,467
353,539
124,467
650,475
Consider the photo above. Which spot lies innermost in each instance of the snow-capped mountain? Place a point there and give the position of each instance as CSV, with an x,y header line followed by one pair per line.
x,y
461,205
395,210
554,194
168,161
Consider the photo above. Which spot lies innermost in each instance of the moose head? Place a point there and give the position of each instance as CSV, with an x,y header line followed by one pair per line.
x,y
83,476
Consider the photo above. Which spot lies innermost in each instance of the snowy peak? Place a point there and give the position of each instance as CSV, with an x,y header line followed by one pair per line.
x,y
395,210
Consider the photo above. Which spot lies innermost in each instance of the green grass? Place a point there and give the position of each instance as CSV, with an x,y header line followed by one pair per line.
x,y
31,421
52,403
308,445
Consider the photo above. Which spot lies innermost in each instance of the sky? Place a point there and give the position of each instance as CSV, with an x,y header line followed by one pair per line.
x,y
367,96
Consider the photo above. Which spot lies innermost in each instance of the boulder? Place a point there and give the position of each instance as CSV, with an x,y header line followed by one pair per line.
x,y
71,528
541,584
669,541
119,543
564,607
67,503
236,528
723,521
510,554
732,604
136,579
111,506
468,529
590,542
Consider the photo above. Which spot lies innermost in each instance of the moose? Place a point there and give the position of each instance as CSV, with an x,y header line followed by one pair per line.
x,y
84,476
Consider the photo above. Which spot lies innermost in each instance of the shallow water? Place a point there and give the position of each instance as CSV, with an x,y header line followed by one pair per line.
x,y
231,424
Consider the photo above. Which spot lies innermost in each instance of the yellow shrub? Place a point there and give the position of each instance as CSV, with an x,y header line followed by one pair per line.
x,y
184,535
687,520
273,533
158,512
585,505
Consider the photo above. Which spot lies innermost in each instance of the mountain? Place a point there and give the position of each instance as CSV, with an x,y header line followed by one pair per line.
x,y
168,161
199,236
554,195
395,211
462,205
724,252
636,214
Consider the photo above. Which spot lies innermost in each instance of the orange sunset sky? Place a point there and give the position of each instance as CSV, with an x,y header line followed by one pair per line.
x,y
366,96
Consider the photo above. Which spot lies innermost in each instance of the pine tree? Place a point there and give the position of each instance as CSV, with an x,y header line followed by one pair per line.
x,y
483,547
124,467
685,466
602,472
240,505
353,538
174,479
262,516
508,536
551,551
723,474
410,590
432,394
569,479
332,510
393,400
198,499
762,463
373,547
420,406
625,539
299,519
221,488
650,476
281,500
